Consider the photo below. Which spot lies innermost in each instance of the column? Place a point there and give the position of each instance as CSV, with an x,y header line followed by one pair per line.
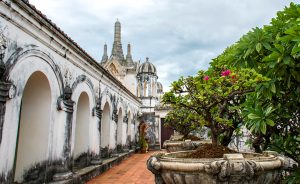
x,y
96,158
64,103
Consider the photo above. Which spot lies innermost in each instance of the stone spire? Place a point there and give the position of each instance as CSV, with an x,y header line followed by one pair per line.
x,y
104,57
129,56
117,51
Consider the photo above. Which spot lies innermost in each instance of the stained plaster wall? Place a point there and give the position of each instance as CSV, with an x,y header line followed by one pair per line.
x,y
130,82
34,45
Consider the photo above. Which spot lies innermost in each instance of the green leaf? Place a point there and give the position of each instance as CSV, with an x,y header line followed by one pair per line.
x,y
279,47
272,57
273,88
296,75
263,128
295,49
258,47
252,128
270,122
253,116
267,45
268,111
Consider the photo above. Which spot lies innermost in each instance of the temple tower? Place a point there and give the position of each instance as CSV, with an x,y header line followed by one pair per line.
x,y
129,60
117,51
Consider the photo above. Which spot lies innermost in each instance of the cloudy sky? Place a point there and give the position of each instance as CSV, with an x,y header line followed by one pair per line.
x,y
179,36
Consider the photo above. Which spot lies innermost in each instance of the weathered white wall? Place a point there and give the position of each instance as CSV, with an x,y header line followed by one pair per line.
x,y
129,129
112,137
130,82
34,124
132,132
19,75
42,48
120,127
85,128
124,133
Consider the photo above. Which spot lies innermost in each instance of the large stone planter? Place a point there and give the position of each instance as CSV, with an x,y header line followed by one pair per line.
x,y
246,168
175,146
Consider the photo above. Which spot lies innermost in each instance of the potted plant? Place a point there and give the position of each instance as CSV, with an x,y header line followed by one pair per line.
x,y
143,145
216,97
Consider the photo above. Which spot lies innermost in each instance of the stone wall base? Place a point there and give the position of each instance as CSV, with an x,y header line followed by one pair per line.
x,y
85,174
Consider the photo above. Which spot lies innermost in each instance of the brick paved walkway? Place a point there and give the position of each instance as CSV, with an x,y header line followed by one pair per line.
x,y
131,171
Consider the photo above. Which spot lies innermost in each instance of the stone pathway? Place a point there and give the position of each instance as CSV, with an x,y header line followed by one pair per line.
x,y
131,171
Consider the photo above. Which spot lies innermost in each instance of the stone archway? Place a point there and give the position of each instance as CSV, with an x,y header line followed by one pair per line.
x,y
132,130
81,144
119,130
34,128
129,129
105,130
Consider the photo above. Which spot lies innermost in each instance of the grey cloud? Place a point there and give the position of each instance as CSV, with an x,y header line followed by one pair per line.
x,y
180,37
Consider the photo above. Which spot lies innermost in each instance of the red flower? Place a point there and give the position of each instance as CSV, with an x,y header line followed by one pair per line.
x,y
226,73
206,78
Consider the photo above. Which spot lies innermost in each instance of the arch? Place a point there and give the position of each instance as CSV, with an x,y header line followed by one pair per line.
x,y
85,79
21,67
133,126
34,126
106,97
153,93
29,52
83,116
79,89
145,89
120,126
129,129
105,126
136,132
138,89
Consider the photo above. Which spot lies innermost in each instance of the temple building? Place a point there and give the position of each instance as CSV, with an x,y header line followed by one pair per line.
x,y
140,78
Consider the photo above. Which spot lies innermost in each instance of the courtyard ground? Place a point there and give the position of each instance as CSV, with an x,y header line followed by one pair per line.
x,y
131,171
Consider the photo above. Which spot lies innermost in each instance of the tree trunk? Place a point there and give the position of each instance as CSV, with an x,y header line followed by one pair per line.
x,y
214,136
227,137
213,128
256,144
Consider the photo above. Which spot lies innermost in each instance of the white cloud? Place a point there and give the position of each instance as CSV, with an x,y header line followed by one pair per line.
x,y
180,37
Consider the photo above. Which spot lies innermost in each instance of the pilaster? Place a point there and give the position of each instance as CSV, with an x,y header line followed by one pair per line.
x,y
65,103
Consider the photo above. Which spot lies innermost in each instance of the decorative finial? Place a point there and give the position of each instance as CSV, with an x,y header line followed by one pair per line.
x,y
129,56
105,56
147,59
117,50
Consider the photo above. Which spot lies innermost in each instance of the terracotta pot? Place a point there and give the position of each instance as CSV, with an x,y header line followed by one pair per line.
x,y
175,146
241,168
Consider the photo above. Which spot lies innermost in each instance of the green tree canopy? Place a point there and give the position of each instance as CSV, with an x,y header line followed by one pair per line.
x,y
273,51
215,96
183,121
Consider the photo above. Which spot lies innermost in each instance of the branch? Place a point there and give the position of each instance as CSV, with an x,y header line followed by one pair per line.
x,y
230,96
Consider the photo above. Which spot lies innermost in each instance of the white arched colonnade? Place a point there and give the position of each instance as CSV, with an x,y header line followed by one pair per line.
x,y
34,129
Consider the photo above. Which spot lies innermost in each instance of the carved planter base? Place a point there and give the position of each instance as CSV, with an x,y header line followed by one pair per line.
x,y
175,146
244,168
